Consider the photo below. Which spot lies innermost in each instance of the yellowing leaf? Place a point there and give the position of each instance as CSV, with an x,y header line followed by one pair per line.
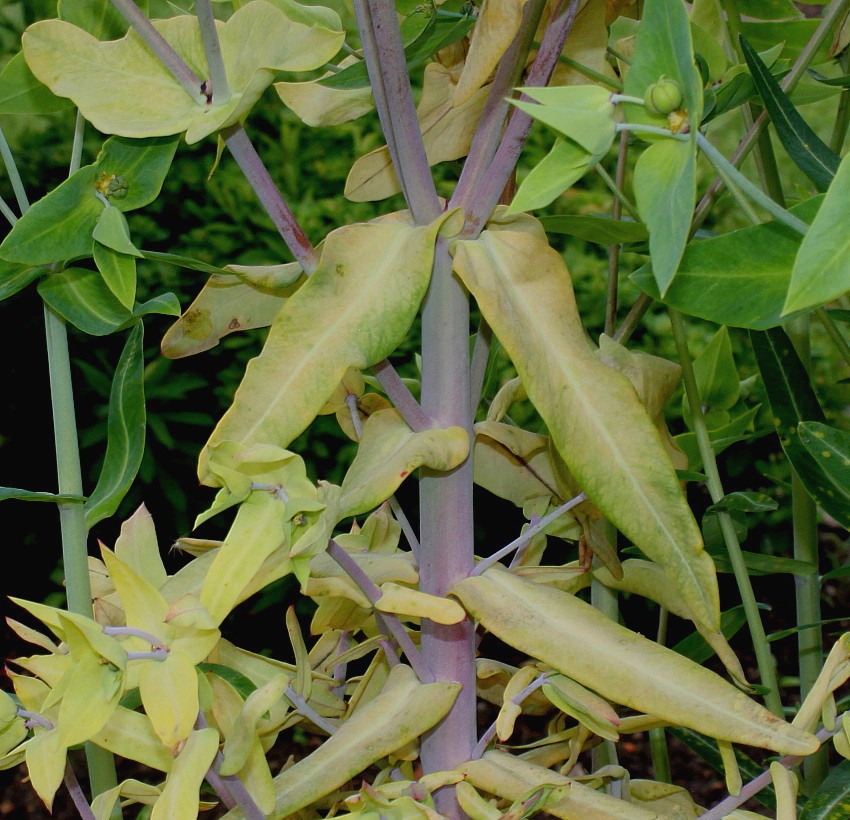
x,y
404,601
45,757
122,88
510,711
91,695
577,640
145,608
169,691
389,452
586,44
595,418
137,547
179,798
447,133
367,289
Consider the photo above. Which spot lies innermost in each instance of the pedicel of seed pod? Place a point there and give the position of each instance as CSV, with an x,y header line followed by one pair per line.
x,y
663,97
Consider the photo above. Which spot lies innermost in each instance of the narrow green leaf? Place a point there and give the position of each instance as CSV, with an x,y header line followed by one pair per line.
x,y
745,502
739,279
30,495
15,277
793,401
822,269
695,646
179,798
601,230
118,271
523,289
182,262
814,158
22,93
125,431
716,375
769,9
832,800
243,685
759,564
785,633
83,298
721,438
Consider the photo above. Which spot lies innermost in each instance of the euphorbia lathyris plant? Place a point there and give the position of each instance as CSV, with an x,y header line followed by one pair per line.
x,y
146,673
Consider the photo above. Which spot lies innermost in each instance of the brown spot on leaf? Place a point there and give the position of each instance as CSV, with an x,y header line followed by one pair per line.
x,y
234,324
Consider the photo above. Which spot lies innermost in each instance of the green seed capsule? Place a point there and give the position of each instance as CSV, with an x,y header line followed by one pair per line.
x,y
663,96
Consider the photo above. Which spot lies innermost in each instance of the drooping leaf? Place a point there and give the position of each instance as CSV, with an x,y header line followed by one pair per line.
x,y
739,279
118,271
389,452
816,159
149,101
179,798
411,602
793,401
576,639
112,231
745,502
125,431
169,692
59,226
832,799
32,495
22,93
84,299
822,269
600,230
523,289
45,757
371,275
91,695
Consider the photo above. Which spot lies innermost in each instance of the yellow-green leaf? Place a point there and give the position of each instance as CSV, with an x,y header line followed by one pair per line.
x,y
367,289
91,695
130,735
577,640
138,548
405,601
179,798
169,692
594,415
45,757
123,88
389,452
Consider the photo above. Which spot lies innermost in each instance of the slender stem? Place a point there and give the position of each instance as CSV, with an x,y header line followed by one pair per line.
x,y
267,192
807,588
764,658
403,400
353,412
220,91
14,174
632,320
394,627
602,79
626,98
834,334
638,128
724,166
159,46
529,533
304,708
73,786
612,288
407,529
8,212
842,115
383,52
618,192
505,158
35,718
138,633
658,736
729,804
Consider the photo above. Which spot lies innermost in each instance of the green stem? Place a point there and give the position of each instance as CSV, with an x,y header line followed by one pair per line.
x,y
610,82
733,547
615,189
633,317
842,115
807,588
612,288
658,737
834,334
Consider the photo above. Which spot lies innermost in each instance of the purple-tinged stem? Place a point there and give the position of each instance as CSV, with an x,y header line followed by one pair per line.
x,y
523,539
153,655
491,124
487,193
267,192
516,560
305,710
397,392
159,46
138,633
219,93
389,624
76,792
729,804
354,413
35,719
406,527
383,51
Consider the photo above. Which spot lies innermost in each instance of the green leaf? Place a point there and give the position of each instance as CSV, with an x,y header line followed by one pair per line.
x,y
822,269
112,231
570,635
745,502
769,9
182,262
811,155
389,452
601,230
371,275
759,564
794,35
243,685
793,402
98,17
523,289
31,495
59,226
832,800
123,88
15,277
738,279
118,271
22,93
665,190
403,711
717,378
721,438
695,646
125,431
563,166
83,298
785,633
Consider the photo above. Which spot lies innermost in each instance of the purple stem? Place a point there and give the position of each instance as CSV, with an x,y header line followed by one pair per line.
x,y
76,792
219,91
397,392
406,527
354,413
729,804
339,671
303,708
522,548
138,633
35,719
383,51
505,159
159,46
153,655
388,623
523,539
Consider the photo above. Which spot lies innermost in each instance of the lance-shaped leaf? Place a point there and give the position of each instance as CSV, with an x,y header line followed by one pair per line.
x,y
586,707
90,696
45,757
389,452
403,711
125,444
367,289
225,304
829,448
822,269
34,495
15,277
169,692
59,226
811,155
404,601
523,289
832,799
179,798
577,640
123,88
138,548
